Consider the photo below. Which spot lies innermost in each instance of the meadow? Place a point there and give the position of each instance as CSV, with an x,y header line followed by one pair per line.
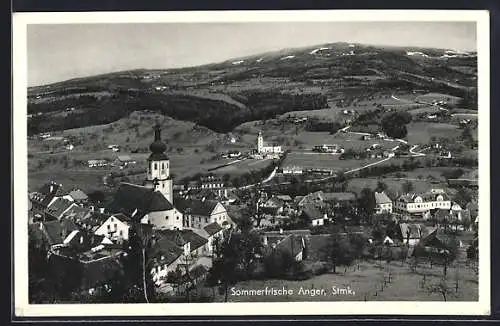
x,y
367,284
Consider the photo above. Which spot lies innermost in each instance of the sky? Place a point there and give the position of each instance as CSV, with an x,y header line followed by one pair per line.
x,y
58,52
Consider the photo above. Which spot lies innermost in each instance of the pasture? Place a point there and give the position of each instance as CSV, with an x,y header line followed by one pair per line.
x,y
244,166
311,160
346,140
393,183
421,132
367,284
431,97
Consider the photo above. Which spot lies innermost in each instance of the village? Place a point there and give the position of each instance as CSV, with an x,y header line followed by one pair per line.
x,y
160,241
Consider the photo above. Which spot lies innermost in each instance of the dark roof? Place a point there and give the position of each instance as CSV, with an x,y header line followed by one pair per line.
x,y
130,197
54,232
202,193
312,212
59,206
122,217
46,193
196,206
157,157
165,251
195,240
338,196
292,244
438,239
174,236
212,228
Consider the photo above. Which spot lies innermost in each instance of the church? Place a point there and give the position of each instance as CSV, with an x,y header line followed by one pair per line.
x,y
152,202
264,148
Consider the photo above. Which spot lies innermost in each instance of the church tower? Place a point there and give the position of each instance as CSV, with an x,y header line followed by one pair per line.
x,y
260,142
158,173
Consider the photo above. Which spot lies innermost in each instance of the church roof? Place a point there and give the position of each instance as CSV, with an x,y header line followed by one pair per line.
x,y
130,197
196,206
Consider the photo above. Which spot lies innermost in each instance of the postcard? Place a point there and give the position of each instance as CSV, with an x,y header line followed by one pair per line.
x,y
330,162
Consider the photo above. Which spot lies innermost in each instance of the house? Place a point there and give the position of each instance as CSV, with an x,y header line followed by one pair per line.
x,y
123,160
96,163
313,216
439,242
383,204
48,234
292,170
294,246
77,196
211,232
116,227
419,204
57,208
388,241
273,206
44,196
445,155
199,213
326,148
320,199
166,257
366,137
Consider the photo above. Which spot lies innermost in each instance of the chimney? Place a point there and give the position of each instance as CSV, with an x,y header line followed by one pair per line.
x,y
51,188
101,210
40,225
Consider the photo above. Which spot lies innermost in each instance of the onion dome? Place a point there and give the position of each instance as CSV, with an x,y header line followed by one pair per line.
x,y
158,147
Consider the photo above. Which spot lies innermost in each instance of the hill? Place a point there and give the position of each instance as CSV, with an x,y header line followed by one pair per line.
x,y
224,95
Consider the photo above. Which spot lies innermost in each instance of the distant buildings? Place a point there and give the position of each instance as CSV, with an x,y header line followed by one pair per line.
x,y
264,148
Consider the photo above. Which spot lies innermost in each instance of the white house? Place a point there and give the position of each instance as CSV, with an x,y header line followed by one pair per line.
x,y
420,204
116,227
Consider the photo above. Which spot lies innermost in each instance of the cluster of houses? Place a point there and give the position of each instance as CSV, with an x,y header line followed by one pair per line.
x,y
120,161
72,228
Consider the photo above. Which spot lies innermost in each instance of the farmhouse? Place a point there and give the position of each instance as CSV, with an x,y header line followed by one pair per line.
x,y
411,233
264,148
57,208
123,160
77,196
97,163
327,148
313,216
383,204
294,246
198,213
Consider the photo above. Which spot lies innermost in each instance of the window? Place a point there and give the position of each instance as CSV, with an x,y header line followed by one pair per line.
x,y
162,166
155,166
116,226
206,219
109,227
177,217
121,233
166,217
111,219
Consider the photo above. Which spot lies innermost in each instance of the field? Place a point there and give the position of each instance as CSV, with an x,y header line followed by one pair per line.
x,y
244,166
430,97
421,132
393,184
346,140
323,161
367,285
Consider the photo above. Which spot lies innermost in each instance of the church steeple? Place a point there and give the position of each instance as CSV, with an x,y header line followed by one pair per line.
x,y
158,174
158,147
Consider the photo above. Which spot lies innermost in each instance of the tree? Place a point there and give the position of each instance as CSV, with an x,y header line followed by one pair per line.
x,y
366,203
338,251
407,187
381,186
442,288
463,197
394,124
